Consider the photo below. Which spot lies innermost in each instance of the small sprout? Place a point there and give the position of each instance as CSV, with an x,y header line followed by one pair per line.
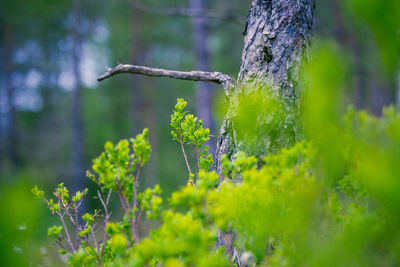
x,y
141,147
54,231
62,192
88,218
113,228
37,193
54,207
86,231
189,129
77,197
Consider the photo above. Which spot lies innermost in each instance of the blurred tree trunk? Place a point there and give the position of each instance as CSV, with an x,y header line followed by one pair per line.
x,y
77,125
277,33
204,92
143,107
137,58
10,132
379,93
398,89
348,39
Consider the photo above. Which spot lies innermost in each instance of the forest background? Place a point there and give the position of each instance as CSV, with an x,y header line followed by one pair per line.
x,y
55,117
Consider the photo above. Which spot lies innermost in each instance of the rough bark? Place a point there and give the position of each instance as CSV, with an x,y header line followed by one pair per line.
x,y
276,35
204,92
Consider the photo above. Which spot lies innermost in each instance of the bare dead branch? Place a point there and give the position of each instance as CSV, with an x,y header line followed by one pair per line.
x,y
215,77
190,12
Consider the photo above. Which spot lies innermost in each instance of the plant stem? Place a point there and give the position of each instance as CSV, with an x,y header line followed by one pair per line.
x,y
106,218
121,197
66,230
135,193
198,159
136,219
184,154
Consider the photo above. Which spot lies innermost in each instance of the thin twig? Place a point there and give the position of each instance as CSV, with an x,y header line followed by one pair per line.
x,y
215,77
78,227
59,243
121,197
236,255
135,193
184,155
198,158
108,197
102,201
94,239
106,218
136,220
66,230
140,215
66,208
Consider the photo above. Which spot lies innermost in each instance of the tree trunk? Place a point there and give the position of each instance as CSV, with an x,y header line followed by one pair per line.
x,y
276,35
77,125
10,125
137,58
204,91
143,107
398,89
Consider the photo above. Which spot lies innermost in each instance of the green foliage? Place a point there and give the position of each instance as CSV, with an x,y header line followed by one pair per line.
x,y
141,148
150,202
310,204
116,166
54,231
189,130
181,238
264,119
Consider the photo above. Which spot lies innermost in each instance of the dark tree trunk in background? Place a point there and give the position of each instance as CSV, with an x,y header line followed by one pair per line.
x,y
276,35
143,107
10,132
379,95
137,58
204,91
77,125
398,89
348,39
